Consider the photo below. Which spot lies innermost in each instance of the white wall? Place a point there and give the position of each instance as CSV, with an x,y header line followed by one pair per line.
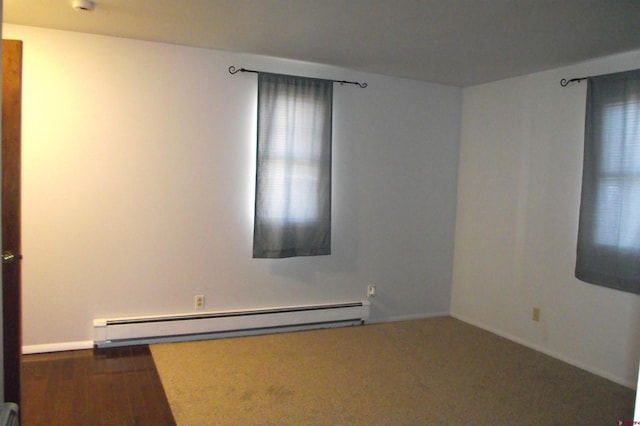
x,y
138,183
517,219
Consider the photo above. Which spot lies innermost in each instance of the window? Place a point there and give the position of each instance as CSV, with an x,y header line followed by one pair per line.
x,y
609,233
292,166
619,178
293,171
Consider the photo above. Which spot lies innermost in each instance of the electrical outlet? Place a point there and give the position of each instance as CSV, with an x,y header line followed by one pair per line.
x,y
371,291
536,314
199,302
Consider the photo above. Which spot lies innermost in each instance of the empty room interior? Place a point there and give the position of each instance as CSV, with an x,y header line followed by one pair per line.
x,y
455,183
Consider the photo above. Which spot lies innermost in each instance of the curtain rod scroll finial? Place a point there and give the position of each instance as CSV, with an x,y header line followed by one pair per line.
x,y
564,82
343,82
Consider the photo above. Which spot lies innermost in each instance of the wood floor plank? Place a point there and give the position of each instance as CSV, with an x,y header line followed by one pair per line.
x,y
118,386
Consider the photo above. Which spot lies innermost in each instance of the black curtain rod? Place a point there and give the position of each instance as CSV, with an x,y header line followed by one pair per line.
x,y
234,70
564,82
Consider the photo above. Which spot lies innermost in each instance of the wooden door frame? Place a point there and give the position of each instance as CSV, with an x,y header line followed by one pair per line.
x,y
10,203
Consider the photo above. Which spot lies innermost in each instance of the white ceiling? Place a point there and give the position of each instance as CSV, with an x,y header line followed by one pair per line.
x,y
454,42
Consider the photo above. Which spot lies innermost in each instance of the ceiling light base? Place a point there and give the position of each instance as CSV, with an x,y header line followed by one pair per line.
x,y
83,5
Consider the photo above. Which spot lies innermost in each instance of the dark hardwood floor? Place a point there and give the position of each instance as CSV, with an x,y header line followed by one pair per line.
x,y
116,386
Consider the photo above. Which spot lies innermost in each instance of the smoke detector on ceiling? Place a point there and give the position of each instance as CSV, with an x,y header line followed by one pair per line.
x,y
83,5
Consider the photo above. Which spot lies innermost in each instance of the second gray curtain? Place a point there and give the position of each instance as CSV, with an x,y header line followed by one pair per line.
x,y
609,233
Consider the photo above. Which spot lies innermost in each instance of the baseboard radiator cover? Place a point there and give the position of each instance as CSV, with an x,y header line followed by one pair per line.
x,y
209,325
9,414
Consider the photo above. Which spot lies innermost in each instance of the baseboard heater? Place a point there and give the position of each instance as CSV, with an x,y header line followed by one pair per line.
x,y
172,328
9,414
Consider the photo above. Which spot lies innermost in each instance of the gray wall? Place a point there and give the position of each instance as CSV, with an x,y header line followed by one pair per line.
x,y
517,221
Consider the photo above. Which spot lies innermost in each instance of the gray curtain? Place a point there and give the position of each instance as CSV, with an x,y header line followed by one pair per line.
x,y
293,169
608,251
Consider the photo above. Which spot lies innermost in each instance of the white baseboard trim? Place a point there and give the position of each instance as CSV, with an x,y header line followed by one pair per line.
x,y
408,317
619,380
57,347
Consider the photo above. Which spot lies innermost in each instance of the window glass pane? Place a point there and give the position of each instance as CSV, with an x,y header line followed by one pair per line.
x,y
617,210
621,139
292,192
607,217
630,216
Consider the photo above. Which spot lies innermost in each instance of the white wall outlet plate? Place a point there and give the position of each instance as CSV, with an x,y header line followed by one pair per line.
x,y
199,303
371,291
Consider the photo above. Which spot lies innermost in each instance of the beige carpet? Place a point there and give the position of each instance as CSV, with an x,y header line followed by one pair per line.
x,y
437,371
